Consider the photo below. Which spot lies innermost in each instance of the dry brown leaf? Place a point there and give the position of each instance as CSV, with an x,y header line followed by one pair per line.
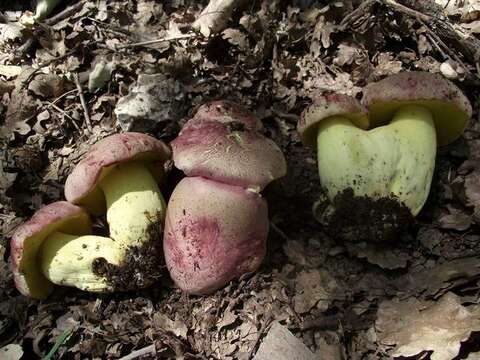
x,y
176,326
456,219
387,258
435,281
11,352
413,327
281,344
313,288
215,16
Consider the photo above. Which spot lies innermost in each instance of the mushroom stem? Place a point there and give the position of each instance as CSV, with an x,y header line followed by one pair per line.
x,y
134,204
68,260
396,159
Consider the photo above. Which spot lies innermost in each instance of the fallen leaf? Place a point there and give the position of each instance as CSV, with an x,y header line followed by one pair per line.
x,y
215,16
385,257
11,352
456,219
414,327
281,344
313,288
437,280
176,326
47,85
10,71
100,75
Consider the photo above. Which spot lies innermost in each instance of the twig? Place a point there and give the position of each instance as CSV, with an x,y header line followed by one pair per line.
x,y
431,14
407,10
83,102
63,95
148,350
65,114
279,232
157,41
70,10
261,332
356,14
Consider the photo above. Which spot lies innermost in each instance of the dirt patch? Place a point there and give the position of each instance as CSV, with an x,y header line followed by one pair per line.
x,y
361,218
142,266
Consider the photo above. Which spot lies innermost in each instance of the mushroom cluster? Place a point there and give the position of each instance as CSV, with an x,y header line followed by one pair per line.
x,y
119,177
376,158
217,221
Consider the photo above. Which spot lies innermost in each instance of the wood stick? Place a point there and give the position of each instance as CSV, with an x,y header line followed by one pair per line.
x,y
83,102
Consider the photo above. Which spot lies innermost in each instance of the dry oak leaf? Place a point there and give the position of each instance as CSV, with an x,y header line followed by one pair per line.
x,y
413,326
215,16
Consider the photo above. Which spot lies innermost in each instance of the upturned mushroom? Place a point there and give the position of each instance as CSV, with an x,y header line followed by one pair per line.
x,y
118,176
376,160
217,221
63,227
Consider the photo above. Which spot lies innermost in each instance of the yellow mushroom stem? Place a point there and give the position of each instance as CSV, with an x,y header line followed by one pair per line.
x,y
397,159
134,206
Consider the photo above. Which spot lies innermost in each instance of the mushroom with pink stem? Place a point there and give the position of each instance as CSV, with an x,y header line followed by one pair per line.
x,y
217,221
119,177
376,159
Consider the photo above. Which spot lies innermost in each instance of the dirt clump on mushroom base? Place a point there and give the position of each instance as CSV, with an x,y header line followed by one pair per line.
x,y
362,218
143,265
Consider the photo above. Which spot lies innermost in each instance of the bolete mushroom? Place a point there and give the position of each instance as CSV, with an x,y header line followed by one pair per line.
x,y
119,175
35,265
217,221
385,148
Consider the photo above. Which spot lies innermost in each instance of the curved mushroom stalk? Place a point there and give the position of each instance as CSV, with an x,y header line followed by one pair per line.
x,y
214,233
396,159
69,260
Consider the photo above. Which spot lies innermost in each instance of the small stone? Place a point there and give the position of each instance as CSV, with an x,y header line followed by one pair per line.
x,y
152,100
448,71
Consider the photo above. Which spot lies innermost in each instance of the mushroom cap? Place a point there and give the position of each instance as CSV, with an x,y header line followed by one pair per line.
x,y
328,105
225,111
227,152
449,106
214,233
27,240
130,146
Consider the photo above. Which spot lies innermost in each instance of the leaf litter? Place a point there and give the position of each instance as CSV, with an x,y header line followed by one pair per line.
x,y
344,300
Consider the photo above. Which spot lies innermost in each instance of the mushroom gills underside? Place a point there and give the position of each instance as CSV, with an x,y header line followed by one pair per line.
x,y
68,260
135,205
394,160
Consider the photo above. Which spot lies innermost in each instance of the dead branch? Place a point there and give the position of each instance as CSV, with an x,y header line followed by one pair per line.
x,y
83,102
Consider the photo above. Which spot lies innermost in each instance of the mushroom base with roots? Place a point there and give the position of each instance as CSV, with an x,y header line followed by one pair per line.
x,y
394,161
135,212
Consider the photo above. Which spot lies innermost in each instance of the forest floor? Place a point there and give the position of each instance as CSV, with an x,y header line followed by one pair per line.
x,y
416,297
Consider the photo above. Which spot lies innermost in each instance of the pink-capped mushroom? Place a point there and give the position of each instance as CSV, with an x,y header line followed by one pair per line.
x,y
382,151
217,222
121,174
37,261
